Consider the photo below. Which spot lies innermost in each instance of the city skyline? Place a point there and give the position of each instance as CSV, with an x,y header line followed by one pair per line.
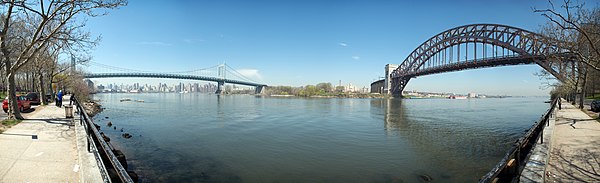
x,y
279,43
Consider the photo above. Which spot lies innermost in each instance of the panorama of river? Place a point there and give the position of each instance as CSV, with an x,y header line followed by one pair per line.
x,y
240,138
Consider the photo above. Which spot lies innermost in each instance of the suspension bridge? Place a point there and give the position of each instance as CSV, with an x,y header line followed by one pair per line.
x,y
220,74
478,46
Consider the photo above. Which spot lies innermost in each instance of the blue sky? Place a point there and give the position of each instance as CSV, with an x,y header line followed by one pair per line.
x,y
306,42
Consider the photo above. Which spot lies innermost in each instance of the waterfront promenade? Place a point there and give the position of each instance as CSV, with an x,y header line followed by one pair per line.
x,y
47,147
575,148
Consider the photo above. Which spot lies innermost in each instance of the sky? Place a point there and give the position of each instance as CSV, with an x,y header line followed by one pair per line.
x,y
297,43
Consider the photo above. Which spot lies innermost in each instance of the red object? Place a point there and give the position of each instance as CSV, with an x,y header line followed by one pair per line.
x,y
22,101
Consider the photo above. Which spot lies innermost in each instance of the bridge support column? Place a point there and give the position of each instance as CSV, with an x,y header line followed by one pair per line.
x,y
258,89
220,87
397,87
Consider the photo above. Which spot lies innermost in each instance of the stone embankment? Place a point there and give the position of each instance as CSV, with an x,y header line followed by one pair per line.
x,y
92,108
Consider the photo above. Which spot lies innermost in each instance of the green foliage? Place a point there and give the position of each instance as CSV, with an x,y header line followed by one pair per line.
x,y
321,89
10,122
595,97
339,89
326,87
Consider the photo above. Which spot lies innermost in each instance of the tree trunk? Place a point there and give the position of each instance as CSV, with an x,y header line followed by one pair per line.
x,y
583,85
42,90
13,105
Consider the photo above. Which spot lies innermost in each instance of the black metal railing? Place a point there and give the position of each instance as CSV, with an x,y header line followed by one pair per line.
x,y
513,163
110,167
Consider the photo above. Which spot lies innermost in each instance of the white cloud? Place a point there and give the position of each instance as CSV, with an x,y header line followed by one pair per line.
x,y
250,73
193,40
343,44
356,57
153,43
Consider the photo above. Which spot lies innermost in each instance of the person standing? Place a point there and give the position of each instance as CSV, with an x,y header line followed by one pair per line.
x,y
59,98
559,104
71,99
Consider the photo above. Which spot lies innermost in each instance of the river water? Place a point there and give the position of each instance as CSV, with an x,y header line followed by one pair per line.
x,y
241,138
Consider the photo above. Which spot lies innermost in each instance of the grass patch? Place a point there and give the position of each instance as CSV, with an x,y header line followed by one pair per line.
x,y
595,97
7,123
10,122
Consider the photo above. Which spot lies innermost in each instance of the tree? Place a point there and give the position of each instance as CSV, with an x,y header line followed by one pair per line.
x,y
29,27
579,30
325,87
339,89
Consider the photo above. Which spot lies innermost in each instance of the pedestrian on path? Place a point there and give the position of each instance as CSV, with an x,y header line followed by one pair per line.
x,y
71,99
559,104
59,98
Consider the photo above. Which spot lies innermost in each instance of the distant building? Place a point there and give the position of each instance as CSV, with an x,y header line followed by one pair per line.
x,y
472,95
100,87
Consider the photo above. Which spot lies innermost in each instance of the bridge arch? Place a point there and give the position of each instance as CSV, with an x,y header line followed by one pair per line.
x,y
497,45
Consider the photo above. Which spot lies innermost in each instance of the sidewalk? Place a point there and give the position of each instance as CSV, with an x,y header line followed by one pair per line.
x,y
45,148
575,151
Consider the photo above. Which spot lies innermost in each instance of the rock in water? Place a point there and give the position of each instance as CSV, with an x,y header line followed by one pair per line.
x,y
425,178
109,124
126,135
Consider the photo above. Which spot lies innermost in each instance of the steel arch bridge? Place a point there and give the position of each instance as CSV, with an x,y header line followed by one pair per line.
x,y
481,45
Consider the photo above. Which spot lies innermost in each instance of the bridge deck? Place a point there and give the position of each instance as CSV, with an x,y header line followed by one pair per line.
x,y
171,76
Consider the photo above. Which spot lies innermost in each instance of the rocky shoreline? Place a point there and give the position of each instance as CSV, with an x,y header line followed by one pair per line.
x,y
92,107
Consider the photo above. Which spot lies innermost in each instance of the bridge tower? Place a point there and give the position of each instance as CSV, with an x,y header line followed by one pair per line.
x,y
221,76
387,86
258,89
73,65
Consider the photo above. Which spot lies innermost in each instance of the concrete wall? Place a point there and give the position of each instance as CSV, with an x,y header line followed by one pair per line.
x,y
377,86
389,68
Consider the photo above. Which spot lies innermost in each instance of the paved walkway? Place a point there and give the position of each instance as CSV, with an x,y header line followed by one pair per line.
x,y
45,148
575,149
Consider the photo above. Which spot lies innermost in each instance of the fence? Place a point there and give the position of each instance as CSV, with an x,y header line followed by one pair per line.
x,y
511,166
110,167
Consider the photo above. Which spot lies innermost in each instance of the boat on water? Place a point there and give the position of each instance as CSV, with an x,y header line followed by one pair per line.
x,y
125,99
457,97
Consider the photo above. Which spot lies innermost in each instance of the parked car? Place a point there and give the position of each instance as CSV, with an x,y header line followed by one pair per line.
x,y
22,101
595,105
34,98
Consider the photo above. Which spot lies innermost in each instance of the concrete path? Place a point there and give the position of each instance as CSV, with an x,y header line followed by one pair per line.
x,y
44,148
575,151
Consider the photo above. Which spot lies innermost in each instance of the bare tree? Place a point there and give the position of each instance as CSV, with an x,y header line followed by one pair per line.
x,y
43,23
579,32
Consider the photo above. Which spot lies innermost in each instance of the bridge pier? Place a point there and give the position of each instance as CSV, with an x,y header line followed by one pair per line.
x,y
258,89
220,87
397,86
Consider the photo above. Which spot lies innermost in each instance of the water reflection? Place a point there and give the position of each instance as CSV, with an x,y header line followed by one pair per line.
x,y
446,134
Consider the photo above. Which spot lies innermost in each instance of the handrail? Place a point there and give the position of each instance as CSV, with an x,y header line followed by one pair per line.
x,y
511,166
93,134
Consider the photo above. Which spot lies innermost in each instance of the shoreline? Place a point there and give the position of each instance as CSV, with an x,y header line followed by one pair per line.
x,y
92,107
